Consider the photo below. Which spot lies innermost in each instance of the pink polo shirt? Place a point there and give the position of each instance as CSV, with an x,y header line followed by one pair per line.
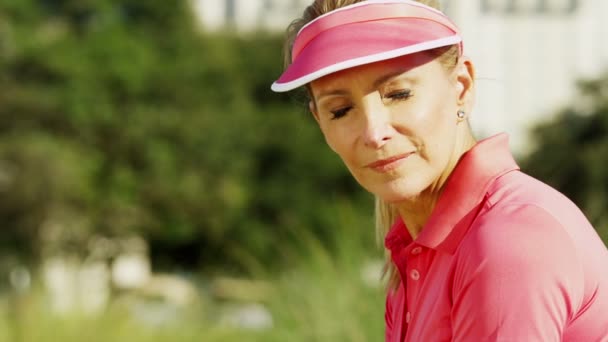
x,y
503,257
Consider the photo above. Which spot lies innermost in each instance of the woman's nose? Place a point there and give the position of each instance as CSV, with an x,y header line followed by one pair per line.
x,y
378,127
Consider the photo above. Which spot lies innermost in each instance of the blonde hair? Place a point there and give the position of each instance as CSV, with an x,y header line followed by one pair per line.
x,y
385,213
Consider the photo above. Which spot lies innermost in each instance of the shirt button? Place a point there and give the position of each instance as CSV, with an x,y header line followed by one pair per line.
x,y
408,317
416,250
415,274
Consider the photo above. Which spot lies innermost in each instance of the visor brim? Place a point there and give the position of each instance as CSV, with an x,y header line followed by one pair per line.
x,y
358,44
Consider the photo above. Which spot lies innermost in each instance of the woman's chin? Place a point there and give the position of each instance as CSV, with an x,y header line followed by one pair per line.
x,y
400,192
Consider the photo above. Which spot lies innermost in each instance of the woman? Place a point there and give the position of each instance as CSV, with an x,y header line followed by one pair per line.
x,y
478,250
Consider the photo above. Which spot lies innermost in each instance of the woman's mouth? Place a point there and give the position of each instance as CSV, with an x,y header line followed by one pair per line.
x,y
388,164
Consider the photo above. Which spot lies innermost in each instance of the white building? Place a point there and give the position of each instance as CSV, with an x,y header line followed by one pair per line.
x,y
247,15
529,56
529,53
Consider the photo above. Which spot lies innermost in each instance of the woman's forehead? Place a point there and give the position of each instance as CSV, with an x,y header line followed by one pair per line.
x,y
375,73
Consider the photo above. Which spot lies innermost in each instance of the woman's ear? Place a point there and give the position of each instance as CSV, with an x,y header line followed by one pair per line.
x,y
465,81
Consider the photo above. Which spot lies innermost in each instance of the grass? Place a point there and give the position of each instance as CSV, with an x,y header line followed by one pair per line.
x,y
324,297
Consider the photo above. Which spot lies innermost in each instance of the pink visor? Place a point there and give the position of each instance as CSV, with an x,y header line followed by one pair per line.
x,y
366,32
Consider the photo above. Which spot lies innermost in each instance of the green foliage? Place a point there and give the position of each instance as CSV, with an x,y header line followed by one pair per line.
x,y
324,297
327,297
572,153
119,117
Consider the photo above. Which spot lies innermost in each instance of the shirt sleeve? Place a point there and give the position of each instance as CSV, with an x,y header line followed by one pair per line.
x,y
514,278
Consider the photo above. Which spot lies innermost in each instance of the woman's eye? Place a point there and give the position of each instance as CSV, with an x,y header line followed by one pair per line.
x,y
399,95
338,113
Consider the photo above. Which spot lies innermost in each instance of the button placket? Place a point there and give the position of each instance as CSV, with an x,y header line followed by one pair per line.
x,y
414,273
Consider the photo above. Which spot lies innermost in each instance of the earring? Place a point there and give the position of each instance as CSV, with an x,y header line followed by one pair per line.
x,y
461,114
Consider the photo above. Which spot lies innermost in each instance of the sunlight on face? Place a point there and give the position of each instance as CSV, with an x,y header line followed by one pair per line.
x,y
393,123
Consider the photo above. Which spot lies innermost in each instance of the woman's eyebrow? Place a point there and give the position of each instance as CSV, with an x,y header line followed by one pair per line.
x,y
332,92
377,83
385,78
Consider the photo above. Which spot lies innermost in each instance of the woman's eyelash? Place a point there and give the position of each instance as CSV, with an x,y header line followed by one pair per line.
x,y
399,95
336,114
395,96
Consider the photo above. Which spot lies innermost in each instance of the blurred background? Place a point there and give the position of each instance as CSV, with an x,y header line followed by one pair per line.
x,y
152,188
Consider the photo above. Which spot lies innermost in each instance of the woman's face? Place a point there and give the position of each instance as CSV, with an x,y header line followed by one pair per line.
x,y
394,122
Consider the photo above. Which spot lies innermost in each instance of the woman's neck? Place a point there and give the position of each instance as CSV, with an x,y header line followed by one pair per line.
x,y
416,212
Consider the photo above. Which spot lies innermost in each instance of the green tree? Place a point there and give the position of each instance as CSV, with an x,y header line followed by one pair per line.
x,y
571,152
120,117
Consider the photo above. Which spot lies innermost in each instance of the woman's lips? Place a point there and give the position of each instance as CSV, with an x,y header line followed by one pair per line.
x,y
388,164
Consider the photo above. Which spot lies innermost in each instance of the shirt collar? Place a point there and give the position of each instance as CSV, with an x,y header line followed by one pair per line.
x,y
463,193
